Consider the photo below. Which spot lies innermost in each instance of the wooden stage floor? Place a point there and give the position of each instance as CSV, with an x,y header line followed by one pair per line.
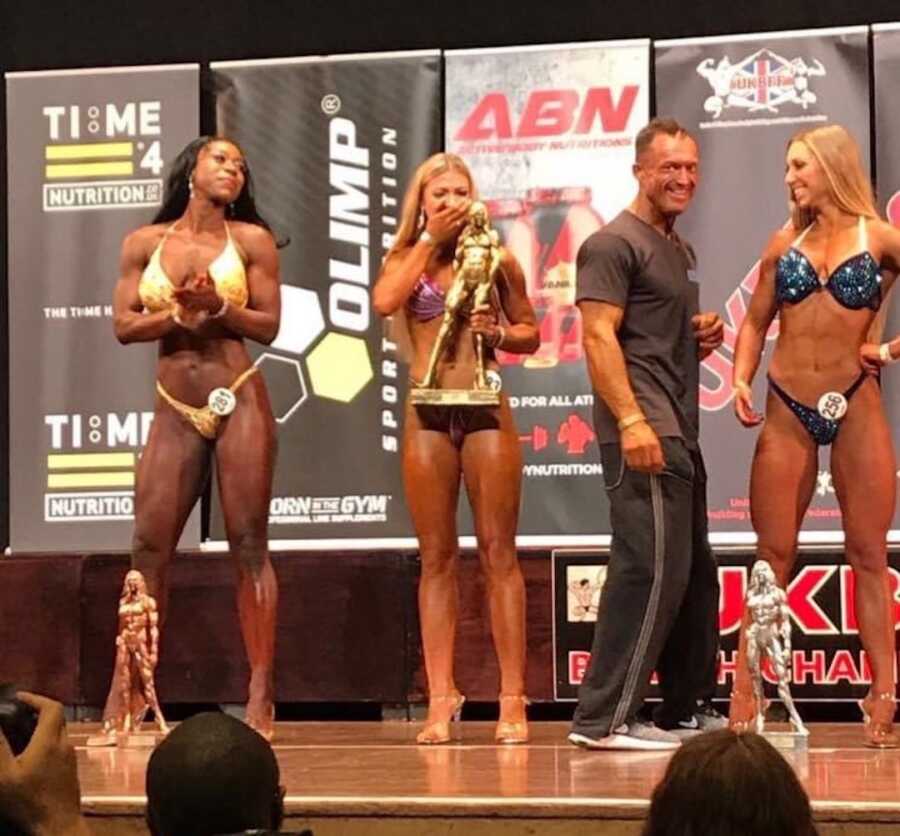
x,y
349,778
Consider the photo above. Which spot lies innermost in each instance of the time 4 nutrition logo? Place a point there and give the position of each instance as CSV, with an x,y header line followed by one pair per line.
x,y
98,156
758,85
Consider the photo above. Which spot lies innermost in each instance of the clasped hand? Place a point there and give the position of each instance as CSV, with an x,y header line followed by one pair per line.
x,y
197,298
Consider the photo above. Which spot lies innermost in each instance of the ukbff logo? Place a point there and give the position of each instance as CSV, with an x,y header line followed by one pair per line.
x,y
759,84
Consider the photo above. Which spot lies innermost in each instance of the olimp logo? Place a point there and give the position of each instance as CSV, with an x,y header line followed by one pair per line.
x,y
338,364
760,83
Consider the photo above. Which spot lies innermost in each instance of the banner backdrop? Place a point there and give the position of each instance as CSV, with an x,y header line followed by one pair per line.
x,y
90,148
828,662
549,133
743,97
886,58
331,143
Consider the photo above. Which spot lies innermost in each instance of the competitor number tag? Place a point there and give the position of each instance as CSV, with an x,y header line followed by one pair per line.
x,y
832,405
222,401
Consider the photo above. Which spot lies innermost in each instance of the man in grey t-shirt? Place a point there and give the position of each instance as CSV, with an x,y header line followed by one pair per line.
x,y
644,337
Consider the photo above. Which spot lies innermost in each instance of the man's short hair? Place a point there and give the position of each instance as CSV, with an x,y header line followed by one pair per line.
x,y
658,125
212,774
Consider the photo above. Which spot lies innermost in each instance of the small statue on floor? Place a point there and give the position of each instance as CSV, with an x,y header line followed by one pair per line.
x,y
137,653
769,634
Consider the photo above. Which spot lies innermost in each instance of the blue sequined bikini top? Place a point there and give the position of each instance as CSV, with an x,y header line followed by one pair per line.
x,y
855,283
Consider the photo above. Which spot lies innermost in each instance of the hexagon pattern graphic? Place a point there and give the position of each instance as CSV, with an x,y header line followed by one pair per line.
x,y
287,397
339,367
301,320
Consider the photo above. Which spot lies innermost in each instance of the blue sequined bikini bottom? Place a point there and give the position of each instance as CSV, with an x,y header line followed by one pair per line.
x,y
823,430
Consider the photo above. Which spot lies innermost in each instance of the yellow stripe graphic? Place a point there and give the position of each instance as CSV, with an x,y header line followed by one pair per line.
x,y
90,151
90,480
56,172
81,461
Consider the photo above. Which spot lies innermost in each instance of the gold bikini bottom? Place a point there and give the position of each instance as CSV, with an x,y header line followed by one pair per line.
x,y
203,419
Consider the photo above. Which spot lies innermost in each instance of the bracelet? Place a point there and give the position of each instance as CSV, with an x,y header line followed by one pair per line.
x,y
742,384
884,352
631,420
221,312
426,237
498,337
177,318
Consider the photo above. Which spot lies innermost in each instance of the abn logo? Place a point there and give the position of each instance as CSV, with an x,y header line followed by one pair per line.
x,y
550,113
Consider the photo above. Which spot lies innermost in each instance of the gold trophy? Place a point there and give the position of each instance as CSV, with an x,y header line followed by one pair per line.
x,y
475,262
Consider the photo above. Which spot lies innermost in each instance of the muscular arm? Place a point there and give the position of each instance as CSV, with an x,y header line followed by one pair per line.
x,y
762,310
153,624
784,619
521,337
130,322
260,320
398,277
605,360
609,375
401,270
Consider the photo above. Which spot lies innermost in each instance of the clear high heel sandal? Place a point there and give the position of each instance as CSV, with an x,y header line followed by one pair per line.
x,y
438,731
512,732
878,715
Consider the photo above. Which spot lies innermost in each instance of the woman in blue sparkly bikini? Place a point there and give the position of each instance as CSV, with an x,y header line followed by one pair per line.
x,y
825,276
442,444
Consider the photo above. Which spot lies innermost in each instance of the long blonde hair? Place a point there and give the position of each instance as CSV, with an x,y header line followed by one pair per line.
x,y
411,216
848,185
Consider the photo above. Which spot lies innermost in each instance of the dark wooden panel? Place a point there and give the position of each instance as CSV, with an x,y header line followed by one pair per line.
x,y
341,629
39,624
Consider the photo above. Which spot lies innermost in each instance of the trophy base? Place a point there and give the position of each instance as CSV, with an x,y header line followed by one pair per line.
x,y
454,397
787,740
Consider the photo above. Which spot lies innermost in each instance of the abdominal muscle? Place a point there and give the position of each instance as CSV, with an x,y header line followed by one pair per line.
x,y
190,367
818,345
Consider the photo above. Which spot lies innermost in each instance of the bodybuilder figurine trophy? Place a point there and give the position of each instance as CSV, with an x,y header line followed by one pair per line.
x,y
769,635
137,651
475,265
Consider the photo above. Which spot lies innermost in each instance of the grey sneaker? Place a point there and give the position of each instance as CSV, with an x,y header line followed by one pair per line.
x,y
708,719
633,736
684,729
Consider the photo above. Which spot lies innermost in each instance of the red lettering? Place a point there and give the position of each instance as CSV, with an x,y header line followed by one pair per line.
x,y
598,102
732,589
800,594
812,666
712,399
490,118
842,667
548,113
578,664
849,623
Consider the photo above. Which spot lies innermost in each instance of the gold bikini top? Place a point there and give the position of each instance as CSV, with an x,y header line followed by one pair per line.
x,y
226,271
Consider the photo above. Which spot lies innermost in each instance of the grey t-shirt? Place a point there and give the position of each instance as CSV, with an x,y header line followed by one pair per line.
x,y
631,265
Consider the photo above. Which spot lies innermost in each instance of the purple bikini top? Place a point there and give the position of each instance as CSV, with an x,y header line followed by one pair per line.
x,y
427,299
